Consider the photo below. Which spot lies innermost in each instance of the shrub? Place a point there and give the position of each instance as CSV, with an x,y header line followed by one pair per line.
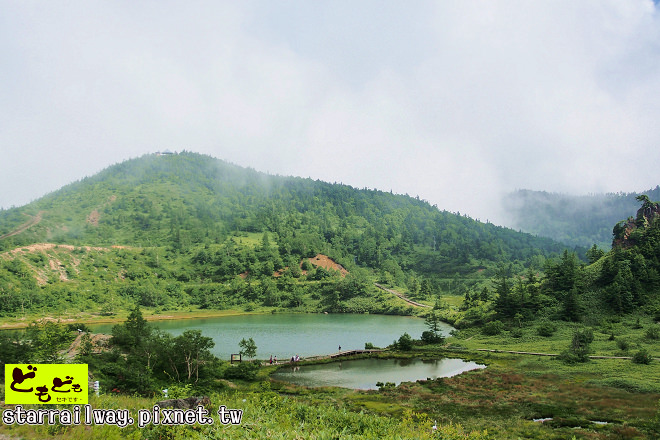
x,y
623,344
642,357
405,342
385,386
653,332
244,371
546,329
429,337
493,328
569,357
517,333
582,338
578,351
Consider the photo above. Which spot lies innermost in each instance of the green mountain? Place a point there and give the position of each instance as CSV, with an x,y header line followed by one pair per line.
x,y
575,220
186,229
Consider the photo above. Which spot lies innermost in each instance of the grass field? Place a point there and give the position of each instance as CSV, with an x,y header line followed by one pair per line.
x,y
598,399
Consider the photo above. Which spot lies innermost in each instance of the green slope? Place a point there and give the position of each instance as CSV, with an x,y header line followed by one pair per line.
x,y
195,220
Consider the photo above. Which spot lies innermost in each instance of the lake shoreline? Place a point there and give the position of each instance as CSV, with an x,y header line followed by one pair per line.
x,y
98,319
19,323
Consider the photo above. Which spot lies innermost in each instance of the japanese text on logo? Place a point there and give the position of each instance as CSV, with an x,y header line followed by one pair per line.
x,y
46,383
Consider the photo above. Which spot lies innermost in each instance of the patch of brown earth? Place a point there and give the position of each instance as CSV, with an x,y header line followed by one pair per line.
x,y
37,247
56,266
327,263
41,277
40,247
93,218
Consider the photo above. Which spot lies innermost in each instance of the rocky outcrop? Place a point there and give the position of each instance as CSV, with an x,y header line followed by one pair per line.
x,y
624,231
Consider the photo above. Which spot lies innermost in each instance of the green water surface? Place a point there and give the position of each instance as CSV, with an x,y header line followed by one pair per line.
x,y
285,335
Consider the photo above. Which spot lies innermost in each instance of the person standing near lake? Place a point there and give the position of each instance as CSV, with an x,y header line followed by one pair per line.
x,y
339,348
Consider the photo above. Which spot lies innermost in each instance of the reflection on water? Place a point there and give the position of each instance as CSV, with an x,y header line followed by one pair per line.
x,y
364,373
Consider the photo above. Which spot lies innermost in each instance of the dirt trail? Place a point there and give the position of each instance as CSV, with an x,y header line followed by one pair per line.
x,y
401,295
33,221
97,339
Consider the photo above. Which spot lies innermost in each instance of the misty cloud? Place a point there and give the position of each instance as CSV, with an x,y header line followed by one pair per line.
x,y
456,102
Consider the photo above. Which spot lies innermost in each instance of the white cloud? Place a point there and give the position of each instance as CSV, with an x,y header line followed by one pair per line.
x,y
452,101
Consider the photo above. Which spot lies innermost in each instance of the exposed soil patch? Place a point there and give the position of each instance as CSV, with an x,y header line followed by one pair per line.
x,y
93,218
319,260
327,263
57,266
41,247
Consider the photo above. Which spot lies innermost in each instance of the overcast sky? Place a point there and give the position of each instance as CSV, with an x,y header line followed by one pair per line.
x,y
454,101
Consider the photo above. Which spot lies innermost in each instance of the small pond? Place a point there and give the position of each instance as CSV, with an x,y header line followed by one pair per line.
x,y
364,373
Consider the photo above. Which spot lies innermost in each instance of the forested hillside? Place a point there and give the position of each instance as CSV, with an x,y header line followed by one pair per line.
x,y
624,280
573,220
188,229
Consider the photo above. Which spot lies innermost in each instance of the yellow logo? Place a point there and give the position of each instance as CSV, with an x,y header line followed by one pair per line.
x,y
46,383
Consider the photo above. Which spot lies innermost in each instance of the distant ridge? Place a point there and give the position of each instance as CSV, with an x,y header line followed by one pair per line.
x,y
574,220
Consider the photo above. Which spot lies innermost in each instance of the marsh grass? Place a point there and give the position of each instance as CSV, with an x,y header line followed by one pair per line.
x,y
498,402
265,415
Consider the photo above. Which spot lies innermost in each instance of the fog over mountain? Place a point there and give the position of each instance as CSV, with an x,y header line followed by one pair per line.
x,y
574,220
457,102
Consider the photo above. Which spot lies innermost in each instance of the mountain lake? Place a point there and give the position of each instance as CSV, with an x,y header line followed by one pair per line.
x,y
313,334
289,334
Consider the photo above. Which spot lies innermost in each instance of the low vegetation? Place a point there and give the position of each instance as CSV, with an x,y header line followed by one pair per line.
x,y
571,340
